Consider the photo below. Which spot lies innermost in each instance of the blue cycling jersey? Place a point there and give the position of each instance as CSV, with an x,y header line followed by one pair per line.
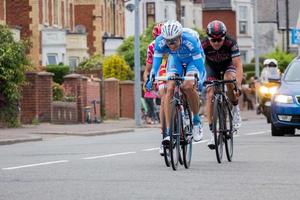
x,y
190,50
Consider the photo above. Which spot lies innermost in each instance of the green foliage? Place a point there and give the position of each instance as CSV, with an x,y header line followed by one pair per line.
x,y
282,57
202,33
58,92
95,62
59,72
115,67
251,67
12,67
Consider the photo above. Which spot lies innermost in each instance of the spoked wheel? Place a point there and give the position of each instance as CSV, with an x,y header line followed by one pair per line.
x,y
187,143
218,130
228,133
175,129
167,156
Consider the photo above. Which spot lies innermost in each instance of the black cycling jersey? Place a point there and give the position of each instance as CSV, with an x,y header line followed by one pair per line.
x,y
223,57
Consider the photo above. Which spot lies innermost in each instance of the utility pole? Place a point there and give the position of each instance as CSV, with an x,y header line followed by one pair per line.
x,y
287,26
256,39
178,10
137,66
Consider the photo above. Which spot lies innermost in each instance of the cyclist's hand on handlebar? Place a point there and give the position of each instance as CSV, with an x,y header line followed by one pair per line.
x,y
149,83
237,91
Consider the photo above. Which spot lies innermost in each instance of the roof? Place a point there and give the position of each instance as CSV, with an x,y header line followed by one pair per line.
x,y
266,10
216,4
294,9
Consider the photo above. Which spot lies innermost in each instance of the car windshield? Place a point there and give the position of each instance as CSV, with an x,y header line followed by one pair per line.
x,y
293,72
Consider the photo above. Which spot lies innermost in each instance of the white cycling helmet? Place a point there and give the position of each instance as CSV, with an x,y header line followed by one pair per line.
x,y
171,29
269,61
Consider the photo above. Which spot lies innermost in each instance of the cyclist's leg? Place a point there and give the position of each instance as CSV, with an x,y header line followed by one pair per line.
x,y
230,74
212,74
191,90
172,68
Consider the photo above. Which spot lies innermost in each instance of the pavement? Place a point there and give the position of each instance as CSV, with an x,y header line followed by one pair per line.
x,y
44,131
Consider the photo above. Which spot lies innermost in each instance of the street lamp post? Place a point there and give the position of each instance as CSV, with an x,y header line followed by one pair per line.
x,y
104,39
137,66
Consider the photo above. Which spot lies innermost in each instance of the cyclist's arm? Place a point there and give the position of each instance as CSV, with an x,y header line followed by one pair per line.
x,y
239,70
198,58
237,62
149,61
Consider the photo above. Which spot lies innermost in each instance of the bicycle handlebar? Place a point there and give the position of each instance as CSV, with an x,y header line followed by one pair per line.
x,y
175,78
219,82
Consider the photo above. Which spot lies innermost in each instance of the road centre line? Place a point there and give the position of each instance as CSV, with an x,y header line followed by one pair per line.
x,y
258,133
37,164
108,155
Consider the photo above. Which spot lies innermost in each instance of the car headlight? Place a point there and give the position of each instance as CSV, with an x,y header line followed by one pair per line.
x,y
283,99
273,90
264,90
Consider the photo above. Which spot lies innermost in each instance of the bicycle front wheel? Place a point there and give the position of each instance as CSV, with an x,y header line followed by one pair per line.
x,y
187,143
229,131
218,129
175,128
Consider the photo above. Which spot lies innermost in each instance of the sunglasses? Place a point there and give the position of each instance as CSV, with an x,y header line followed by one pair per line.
x,y
272,65
214,40
172,41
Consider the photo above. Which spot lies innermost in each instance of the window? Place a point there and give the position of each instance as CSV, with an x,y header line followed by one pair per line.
x,y
150,12
243,22
244,56
182,11
73,62
166,12
52,59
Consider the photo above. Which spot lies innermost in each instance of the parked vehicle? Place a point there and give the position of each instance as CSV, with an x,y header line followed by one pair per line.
x,y
285,105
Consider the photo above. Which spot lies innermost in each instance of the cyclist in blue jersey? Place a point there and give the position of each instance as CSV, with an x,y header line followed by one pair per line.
x,y
184,49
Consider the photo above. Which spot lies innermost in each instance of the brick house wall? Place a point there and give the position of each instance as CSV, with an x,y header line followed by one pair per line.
x,y
93,94
23,9
2,11
226,16
44,86
84,16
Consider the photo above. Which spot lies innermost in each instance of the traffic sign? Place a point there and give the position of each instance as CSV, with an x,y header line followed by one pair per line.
x,y
295,39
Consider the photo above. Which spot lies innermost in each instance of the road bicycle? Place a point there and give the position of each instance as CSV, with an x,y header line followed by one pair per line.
x,y
222,127
180,126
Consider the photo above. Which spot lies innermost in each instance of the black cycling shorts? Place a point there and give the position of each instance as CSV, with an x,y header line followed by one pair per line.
x,y
214,73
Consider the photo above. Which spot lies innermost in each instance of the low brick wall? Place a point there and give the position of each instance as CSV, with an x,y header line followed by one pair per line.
x,y
127,99
64,112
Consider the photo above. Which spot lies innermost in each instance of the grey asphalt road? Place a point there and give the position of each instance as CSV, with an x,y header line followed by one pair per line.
x,y
128,166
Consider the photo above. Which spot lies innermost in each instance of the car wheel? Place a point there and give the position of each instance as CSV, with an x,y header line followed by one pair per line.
x,y
290,131
276,131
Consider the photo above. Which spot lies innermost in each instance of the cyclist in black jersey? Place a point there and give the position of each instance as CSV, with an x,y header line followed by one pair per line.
x,y
222,55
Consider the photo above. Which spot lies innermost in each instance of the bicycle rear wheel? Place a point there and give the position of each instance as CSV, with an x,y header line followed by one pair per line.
x,y
175,130
187,143
218,129
229,132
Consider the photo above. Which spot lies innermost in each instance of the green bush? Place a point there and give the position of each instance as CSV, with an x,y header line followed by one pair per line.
x,y
251,67
59,72
12,67
95,62
58,92
115,67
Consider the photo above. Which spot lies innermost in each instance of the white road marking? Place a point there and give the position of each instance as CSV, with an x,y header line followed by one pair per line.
x,y
119,154
258,133
151,149
109,155
37,164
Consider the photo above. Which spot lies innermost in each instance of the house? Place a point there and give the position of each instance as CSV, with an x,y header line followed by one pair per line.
x,y
155,11
293,8
44,23
245,28
101,20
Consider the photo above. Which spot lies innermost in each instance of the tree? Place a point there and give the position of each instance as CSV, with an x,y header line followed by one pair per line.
x,y
115,67
13,63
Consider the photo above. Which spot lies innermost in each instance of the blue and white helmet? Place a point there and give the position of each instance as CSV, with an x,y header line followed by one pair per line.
x,y
171,29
